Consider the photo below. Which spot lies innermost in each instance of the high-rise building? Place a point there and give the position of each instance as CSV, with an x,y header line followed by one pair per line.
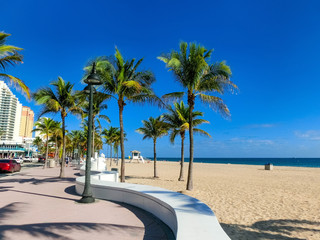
x,y
10,114
16,123
26,122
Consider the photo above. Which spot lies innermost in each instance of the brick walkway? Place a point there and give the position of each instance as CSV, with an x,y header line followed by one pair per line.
x,y
36,204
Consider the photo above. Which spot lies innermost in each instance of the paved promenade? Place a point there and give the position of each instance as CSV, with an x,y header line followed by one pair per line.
x,y
36,204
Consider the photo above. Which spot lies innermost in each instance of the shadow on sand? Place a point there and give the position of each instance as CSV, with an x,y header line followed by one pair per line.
x,y
145,178
280,229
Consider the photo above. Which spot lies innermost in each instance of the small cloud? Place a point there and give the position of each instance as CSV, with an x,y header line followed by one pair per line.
x,y
264,125
308,135
252,141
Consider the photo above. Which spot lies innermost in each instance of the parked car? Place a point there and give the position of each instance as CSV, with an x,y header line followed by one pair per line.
x,y
9,165
19,160
34,159
41,159
26,159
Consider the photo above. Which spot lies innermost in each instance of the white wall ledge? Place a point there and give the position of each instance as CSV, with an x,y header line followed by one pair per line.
x,y
187,217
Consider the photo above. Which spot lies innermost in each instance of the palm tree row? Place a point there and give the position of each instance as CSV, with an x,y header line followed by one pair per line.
x,y
123,82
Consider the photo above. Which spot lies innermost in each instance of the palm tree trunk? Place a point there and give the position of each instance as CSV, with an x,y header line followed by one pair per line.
x,y
47,153
191,99
181,178
121,105
63,161
117,155
155,158
72,154
110,155
56,150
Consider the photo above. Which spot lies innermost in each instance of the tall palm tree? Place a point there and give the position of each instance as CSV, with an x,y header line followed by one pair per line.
x,y
122,80
178,121
154,128
9,56
193,71
46,127
61,99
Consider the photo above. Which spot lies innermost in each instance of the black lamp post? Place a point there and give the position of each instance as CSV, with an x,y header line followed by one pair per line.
x,y
92,79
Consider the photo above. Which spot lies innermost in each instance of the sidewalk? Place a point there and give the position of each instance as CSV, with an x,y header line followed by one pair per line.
x,y
36,204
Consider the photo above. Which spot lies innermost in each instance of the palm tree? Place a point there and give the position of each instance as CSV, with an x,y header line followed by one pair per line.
x,y
9,56
61,99
154,128
46,127
116,143
38,142
178,121
98,105
76,137
110,135
122,80
194,73
57,137
96,130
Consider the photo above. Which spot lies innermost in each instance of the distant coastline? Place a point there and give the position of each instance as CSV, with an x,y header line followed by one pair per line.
x,y
286,162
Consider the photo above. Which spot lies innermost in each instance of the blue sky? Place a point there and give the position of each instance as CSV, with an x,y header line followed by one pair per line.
x,y
272,48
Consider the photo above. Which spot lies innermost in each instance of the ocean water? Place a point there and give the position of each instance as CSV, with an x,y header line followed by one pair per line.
x,y
289,162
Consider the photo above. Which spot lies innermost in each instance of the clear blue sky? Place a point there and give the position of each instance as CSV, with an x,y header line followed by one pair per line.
x,y
273,48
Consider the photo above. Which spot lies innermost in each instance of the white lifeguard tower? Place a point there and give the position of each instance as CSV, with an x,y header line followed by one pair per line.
x,y
136,155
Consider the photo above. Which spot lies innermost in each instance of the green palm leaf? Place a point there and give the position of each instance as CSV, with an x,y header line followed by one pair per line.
x,y
9,56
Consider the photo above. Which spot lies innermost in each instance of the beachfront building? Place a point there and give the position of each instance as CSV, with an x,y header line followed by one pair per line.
x,y
26,123
16,123
10,114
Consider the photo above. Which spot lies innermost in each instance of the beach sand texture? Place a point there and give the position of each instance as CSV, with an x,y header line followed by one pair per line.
x,y
250,202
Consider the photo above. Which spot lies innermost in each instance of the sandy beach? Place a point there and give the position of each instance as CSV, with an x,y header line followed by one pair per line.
x,y
250,202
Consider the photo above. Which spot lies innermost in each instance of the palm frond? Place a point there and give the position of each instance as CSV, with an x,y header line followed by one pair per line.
x,y
147,98
171,97
18,83
10,60
216,104
173,134
105,118
201,132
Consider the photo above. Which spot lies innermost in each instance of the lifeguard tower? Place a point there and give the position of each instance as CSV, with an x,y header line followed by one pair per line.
x,y
136,155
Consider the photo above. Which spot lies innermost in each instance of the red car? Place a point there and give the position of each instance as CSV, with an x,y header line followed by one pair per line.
x,y
9,165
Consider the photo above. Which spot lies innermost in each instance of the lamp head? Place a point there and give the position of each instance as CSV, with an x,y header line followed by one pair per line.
x,y
93,77
87,90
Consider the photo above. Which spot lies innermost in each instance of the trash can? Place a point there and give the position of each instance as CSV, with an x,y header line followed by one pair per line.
x,y
52,163
268,166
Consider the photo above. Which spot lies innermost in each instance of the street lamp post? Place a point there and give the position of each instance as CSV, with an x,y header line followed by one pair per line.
x,y
92,79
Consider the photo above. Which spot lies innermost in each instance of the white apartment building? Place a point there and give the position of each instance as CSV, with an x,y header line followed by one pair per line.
x,y
10,114
12,143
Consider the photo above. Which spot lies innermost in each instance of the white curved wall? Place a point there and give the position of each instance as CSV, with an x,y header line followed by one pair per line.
x,y
187,217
